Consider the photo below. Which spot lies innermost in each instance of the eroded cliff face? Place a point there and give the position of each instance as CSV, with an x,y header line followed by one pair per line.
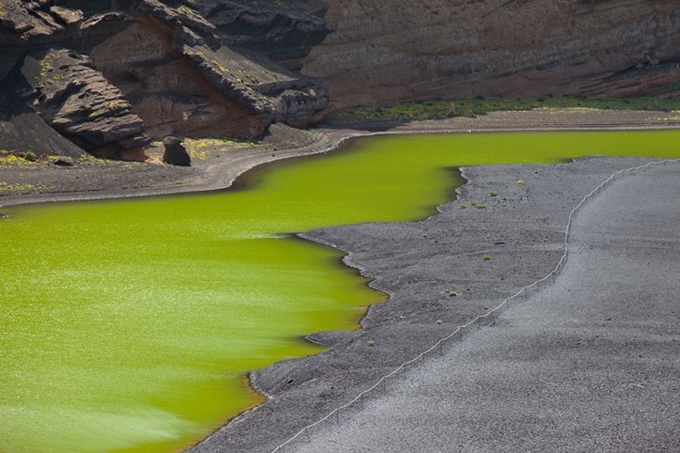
x,y
406,49
111,75
62,87
232,67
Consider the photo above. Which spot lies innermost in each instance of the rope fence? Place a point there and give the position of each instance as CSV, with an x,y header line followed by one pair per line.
x,y
487,319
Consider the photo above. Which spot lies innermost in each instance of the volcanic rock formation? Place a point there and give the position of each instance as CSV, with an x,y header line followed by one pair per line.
x,y
111,75
77,101
399,50
129,71
175,153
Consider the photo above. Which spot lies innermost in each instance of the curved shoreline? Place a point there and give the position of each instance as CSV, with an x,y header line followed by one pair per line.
x,y
406,326
220,171
555,335
488,318
284,416
268,381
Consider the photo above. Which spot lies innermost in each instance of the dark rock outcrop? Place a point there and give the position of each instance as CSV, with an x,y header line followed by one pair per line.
x,y
151,68
32,26
76,100
175,153
284,31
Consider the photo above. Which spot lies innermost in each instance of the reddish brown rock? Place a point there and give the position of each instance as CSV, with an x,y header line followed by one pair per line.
x,y
388,52
171,95
168,63
65,15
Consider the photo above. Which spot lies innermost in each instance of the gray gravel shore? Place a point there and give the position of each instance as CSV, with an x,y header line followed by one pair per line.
x,y
590,363
433,271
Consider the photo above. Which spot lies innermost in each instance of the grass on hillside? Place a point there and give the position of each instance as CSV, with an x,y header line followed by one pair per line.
x,y
437,109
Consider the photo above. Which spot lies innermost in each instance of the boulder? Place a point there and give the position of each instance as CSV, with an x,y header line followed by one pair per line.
x,y
175,153
63,161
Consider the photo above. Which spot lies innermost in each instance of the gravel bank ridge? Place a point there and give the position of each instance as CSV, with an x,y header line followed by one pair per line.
x,y
419,265
460,332
586,363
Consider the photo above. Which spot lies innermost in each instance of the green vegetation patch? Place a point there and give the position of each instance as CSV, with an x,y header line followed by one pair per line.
x,y
200,149
21,187
440,109
23,159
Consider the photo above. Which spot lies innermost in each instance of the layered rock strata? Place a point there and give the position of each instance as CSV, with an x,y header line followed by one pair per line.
x,y
233,67
405,49
78,102
284,31
162,65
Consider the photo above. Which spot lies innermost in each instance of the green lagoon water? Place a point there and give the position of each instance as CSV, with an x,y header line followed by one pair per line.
x,y
129,326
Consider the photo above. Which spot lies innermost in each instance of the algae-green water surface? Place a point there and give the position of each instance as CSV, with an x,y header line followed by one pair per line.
x,y
130,325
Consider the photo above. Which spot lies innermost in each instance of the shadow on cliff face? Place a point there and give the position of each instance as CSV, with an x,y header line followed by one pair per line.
x,y
22,130
285,32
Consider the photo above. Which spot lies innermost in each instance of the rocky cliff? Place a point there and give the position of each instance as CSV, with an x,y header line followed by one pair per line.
x,y
110,75
407,49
